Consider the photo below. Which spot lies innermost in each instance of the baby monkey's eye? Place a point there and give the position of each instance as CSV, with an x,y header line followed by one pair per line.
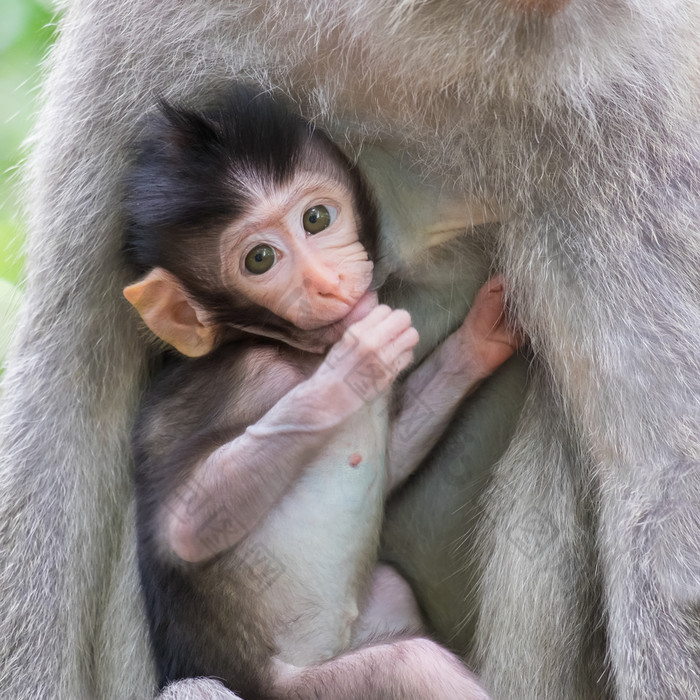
x,y
318,218
260,259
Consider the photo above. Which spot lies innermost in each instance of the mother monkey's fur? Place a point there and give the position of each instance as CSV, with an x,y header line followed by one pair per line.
x,y
579,123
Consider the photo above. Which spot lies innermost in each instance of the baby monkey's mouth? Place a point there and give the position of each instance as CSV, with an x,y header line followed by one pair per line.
x,y
361,308
356,312
318,340
314,340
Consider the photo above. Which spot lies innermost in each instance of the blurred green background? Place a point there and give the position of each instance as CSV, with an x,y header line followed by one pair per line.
x,y
26,31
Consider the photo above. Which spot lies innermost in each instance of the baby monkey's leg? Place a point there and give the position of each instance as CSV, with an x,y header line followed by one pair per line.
x,y
411,669
391,609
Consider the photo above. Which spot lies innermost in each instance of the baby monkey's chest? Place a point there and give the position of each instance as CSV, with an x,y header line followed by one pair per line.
x,y
317,547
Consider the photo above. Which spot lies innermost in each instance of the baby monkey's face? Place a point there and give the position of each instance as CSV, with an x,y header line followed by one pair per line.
x,y
297,251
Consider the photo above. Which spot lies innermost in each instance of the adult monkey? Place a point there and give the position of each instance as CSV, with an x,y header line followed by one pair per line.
x,y
579,122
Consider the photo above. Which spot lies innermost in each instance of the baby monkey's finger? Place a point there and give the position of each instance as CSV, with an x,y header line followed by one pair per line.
x,y
376,316
400,350
392,328
406,340
404,360
495,284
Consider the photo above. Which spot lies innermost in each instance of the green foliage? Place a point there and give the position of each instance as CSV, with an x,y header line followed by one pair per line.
x,y
26,30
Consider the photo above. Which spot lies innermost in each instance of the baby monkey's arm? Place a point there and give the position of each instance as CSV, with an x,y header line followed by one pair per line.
x,y
232,488
434,390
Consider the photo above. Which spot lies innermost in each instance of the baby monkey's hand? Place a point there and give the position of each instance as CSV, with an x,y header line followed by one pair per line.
x,y
487,338
369,356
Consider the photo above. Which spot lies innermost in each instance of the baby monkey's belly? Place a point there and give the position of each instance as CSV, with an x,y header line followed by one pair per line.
x,y
313,555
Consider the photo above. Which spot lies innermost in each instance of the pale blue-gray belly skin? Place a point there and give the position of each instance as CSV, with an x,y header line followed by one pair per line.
x,y
319,544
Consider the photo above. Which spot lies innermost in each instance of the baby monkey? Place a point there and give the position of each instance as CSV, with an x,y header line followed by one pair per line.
x,y
266,446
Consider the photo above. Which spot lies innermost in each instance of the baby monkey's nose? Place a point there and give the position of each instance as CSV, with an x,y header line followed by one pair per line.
x,y
325,281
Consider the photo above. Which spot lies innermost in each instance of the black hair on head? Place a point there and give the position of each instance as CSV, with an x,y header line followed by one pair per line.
x,y
191,177
191,169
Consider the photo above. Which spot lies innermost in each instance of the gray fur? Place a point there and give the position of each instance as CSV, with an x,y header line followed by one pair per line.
x,y
197,689
583,129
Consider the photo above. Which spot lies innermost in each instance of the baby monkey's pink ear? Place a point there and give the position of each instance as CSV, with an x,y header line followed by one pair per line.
x,y
171,313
